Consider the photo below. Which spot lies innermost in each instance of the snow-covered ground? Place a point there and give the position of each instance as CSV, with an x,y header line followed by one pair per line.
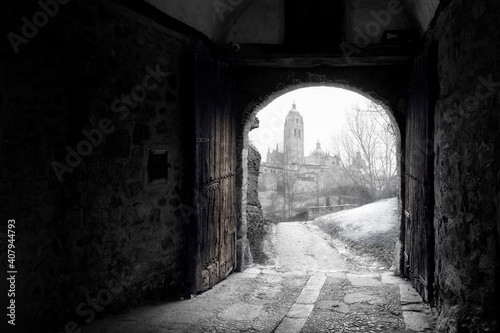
x,y
368,230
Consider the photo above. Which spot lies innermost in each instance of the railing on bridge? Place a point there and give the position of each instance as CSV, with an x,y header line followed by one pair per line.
x,y
315,211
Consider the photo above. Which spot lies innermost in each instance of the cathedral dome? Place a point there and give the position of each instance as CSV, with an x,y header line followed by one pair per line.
x,y
318,151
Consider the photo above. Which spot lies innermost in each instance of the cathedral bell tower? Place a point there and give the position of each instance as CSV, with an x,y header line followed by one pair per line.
x,y
294,137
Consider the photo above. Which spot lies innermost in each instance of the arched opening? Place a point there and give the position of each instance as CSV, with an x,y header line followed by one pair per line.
x,y
277,128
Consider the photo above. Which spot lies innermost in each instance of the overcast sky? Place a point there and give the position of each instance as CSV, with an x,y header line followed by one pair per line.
x,y
322,109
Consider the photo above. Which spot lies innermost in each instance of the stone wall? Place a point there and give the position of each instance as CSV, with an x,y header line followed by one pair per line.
x,y
256,225
467,182
253,176
263,85
256,231
92,237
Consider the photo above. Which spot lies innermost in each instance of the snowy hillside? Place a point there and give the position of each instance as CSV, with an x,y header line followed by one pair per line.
x,y
369,229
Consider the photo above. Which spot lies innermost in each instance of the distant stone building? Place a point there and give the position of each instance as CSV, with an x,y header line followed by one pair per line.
x,y
293,137
293,152
292,159
275,156
292,182
319,157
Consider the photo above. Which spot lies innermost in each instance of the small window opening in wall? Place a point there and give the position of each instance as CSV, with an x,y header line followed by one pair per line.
x,y
157,173
158,166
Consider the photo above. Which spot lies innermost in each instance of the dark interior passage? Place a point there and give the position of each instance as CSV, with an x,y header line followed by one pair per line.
x,y
124,157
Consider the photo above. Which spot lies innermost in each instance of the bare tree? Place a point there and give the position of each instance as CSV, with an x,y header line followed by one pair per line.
x,y
323,183
367,147
289,179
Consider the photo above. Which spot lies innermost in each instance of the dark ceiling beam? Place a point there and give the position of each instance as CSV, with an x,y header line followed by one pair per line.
x,y
316,61
282,56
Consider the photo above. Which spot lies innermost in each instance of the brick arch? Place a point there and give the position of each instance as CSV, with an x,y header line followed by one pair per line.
x,y
249,122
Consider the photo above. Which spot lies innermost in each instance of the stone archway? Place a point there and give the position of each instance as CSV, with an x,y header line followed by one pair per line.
x,y
248,123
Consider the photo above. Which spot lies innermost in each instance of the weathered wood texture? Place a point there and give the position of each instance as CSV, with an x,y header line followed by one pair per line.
x,y
216,130
419,233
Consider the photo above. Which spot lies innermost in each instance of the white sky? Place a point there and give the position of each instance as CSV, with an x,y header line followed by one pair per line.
x,y
323,111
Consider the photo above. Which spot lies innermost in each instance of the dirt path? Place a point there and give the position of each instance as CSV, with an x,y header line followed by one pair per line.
x,y
301,246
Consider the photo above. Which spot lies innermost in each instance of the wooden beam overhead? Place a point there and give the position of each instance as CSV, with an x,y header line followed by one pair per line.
x,y
282,56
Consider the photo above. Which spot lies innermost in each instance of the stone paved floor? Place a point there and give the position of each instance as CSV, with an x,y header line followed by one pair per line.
x,y
289,298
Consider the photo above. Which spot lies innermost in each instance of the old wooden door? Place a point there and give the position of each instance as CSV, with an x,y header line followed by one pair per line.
x,y
215,173
419,191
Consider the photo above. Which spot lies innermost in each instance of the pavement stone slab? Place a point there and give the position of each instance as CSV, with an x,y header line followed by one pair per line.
x,y
416,321
291,325
358,298
389,277
418,307
308,296
332,306
316,280
363,280
300,310
408,294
